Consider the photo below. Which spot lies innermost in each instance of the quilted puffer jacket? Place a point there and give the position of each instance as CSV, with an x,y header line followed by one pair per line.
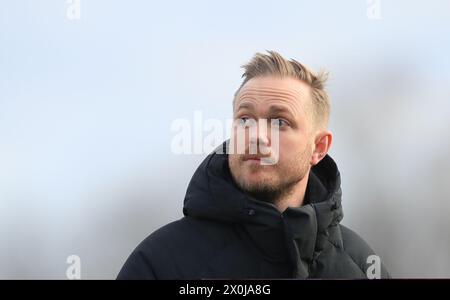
x,y
227,234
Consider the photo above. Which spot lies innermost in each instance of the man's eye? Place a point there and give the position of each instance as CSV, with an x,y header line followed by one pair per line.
x,y
280,122
244,121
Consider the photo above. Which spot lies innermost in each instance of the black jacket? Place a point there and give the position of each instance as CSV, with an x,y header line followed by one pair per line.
x,y
226,234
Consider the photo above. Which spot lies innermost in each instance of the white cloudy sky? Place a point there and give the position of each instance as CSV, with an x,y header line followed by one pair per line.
x,y
86,108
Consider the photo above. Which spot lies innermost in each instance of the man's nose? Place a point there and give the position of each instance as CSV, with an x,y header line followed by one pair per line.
x,y
261,138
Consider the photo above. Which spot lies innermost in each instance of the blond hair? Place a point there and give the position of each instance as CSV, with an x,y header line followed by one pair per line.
x,y
274,64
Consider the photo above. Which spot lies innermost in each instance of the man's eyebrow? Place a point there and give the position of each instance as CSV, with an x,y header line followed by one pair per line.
x,y
273,109
245,105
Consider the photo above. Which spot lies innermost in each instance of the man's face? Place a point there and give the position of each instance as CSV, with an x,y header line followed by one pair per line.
x,y
287,102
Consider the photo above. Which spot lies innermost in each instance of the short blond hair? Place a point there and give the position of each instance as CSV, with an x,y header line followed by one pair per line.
x,y
274,64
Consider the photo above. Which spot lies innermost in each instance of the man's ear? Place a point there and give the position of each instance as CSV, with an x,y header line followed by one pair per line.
x,y
322,144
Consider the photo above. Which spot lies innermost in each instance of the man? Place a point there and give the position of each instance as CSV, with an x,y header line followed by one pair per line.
x,y
247,219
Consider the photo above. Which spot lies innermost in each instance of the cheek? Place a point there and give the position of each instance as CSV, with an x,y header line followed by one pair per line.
x,y
237,166
239,140
291,145
233,161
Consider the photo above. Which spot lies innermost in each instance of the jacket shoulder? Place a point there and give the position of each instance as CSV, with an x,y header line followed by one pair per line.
x,y
160,254
360,252
185,233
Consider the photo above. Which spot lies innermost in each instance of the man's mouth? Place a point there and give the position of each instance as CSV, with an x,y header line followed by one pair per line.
x,y
252,158
263,160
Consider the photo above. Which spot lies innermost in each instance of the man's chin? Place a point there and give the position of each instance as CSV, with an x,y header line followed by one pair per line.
x,y
256,185
258,170
255,177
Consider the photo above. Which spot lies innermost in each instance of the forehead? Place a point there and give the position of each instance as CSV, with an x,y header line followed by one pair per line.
x,y
267,90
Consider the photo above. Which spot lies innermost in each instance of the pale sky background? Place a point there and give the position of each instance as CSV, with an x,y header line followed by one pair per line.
x,y
86,108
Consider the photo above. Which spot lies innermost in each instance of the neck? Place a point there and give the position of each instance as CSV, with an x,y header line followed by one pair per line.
x,y
293,198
